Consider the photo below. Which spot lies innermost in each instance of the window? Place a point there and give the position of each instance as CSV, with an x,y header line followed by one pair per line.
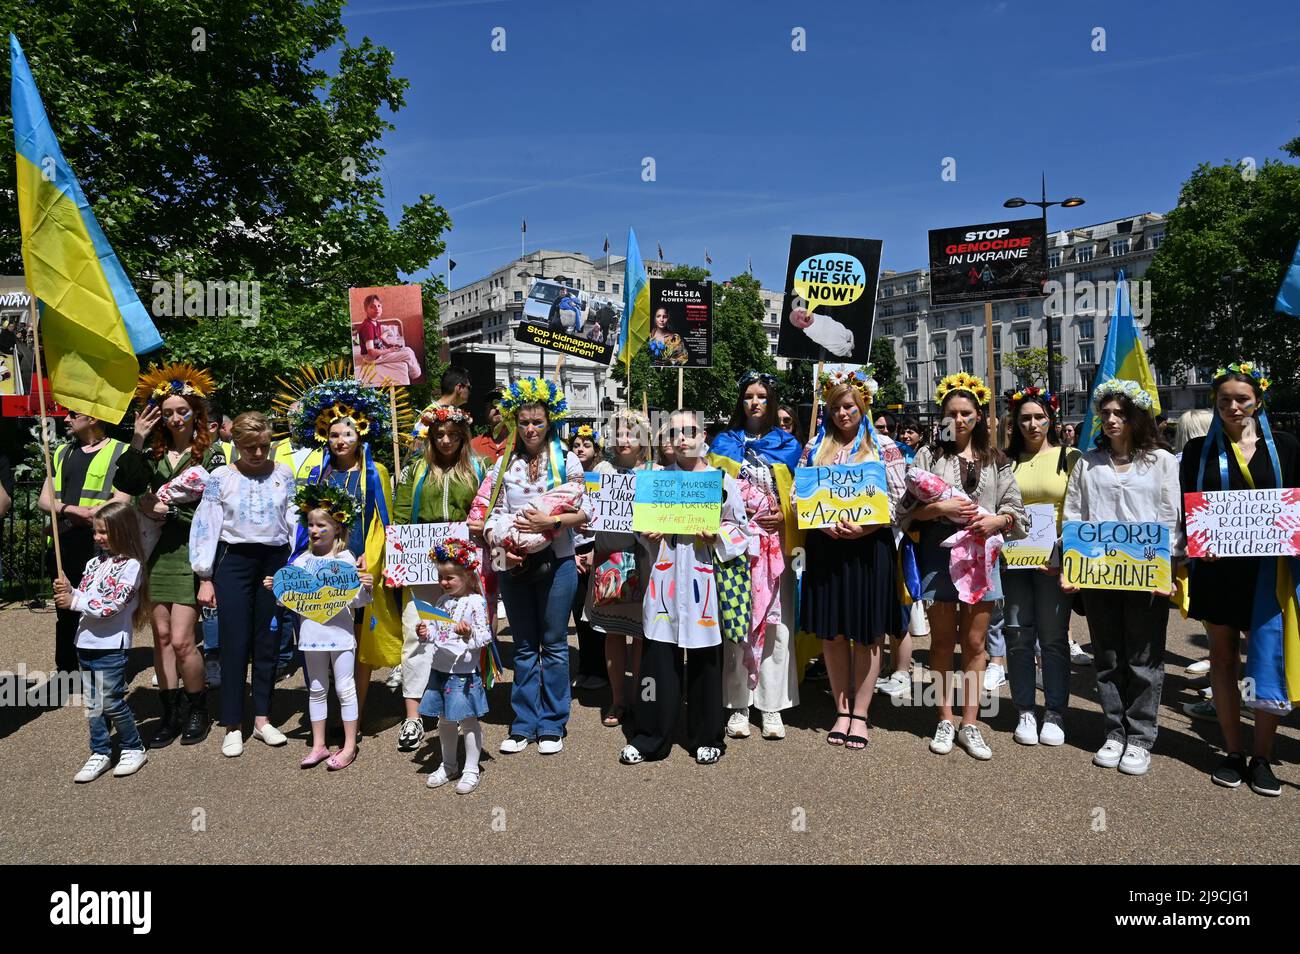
x,y
911,391
774,316
1084,276
1119,246
911,324
600,286
997,339
911,285
1083,253
886,311
1087,353
968,364
1085,329
1053,259
887,329
1022,337
1055,325
941,368
909,350
1157,239
964,343
1022,309
966,317
911,306
997,365
519,296
939,321
911,370
939,345
888,291
616,288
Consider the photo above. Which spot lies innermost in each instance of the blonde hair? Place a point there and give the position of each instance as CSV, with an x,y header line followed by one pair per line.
x,y
1191,425
248,425
463,468
122,527
635,425
340,531
831,443
475,586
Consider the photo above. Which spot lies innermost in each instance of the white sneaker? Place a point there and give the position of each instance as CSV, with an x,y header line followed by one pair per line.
x,y
773,727
130,762
941,744
550,746
512,744
1052,732
394,680
270,735
95,766
468,782
411,735
441,777
1136,760
631,755
1027,730
738,724
969,738
1078,656
1199,668
1108,755
232,746
995,677
707,755
898,683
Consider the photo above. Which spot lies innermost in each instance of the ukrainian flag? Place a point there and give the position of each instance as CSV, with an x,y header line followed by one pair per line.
x,y
635,326
92,324
1123,358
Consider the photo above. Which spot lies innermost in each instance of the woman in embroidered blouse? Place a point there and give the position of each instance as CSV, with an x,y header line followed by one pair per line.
x,y
966,459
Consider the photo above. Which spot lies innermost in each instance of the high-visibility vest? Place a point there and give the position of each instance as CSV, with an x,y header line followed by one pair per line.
x,y
300,460
98,486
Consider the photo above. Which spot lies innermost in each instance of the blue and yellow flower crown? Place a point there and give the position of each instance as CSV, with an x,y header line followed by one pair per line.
x,y
863,381
586,432
335,501
1129,389
1036,394
457,551
1247,368
527,391
315,398
961,381
159,383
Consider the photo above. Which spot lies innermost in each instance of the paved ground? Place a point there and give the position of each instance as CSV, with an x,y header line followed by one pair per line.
x,y
795,801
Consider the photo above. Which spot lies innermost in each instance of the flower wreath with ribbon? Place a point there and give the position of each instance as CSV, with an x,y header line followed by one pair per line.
x,y
444,413
183,380
527,391
1122,387
457,551
1038,396
961,381
335,501
1249,370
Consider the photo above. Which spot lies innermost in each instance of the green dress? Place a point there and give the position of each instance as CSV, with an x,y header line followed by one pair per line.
x,y
171,579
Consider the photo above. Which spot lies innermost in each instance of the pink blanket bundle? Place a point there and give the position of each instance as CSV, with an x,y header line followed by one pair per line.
x,y
766,564
501,530
972,561
186,487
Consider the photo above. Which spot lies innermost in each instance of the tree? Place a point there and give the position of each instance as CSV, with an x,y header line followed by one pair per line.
x,y
1215,277
211,145
886,373
1029,366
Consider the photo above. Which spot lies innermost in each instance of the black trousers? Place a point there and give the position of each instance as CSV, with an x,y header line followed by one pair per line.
x,y
591,644
244,611
659,698
76,547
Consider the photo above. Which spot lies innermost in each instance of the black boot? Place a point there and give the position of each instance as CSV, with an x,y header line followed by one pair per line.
x,y
170,725
197,725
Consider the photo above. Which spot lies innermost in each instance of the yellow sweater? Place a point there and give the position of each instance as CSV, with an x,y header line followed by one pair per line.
x,y
1039,480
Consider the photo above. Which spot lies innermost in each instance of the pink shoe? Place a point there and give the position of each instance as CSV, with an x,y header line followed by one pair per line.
x,y
335,764
314,758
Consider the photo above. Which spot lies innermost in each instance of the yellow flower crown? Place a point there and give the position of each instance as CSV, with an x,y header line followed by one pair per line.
x,y
1247,368
861,381
181,379
961,381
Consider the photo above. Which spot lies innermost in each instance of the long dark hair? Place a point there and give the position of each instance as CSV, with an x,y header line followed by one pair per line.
x,y
1141,426
773,390
985,452
1016,440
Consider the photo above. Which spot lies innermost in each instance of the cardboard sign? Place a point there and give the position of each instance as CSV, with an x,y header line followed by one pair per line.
x,y
677,502
830,298
569,321
681,323
1243,523
1114,555
319,593
854,493
1035,550
612,503
979,263
407,561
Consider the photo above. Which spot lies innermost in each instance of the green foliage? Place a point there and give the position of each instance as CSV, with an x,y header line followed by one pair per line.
x,y
1029,365
240,160
887,374
1215,277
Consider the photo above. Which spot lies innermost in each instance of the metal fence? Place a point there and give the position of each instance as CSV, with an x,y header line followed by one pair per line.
x,y
23,574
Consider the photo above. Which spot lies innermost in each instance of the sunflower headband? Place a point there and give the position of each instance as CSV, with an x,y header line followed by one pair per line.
x,y
443,413
961,381
457,551
527,391
586,432
1247,368
330,402
184,380
1122,387
335,501
861,381
1037,395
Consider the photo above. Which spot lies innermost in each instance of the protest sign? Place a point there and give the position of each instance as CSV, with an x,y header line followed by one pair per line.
x,y
677,502
854,493
408,560
387,334
830,298
613,503
1240,523
681,323
572,322
1115,555
978,263
318,591
1034,550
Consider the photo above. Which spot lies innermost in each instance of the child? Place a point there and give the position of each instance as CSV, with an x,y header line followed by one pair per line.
x,y
327,512
456,694
112,600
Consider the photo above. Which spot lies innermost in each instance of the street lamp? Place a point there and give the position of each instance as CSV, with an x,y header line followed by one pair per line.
x,y
1073,202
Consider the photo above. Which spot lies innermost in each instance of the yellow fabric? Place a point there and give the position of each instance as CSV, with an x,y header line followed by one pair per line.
x,y
380,642
1287,599
1039,481
96,488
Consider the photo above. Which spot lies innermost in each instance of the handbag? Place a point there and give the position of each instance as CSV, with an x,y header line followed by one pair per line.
x,y
735,597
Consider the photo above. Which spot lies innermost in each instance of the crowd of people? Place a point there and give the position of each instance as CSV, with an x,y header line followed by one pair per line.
x,y
186,527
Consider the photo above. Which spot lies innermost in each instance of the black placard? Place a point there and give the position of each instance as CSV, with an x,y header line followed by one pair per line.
x,y
830,298
685,308
978,263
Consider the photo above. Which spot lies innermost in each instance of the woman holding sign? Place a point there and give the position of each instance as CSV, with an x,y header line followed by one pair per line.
x,y
975,491
1037,612
1127,477
850,589
585,445
762,458
437,487
1235,595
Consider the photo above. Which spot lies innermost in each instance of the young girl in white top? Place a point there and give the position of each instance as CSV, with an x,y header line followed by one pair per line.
x,y
112,599
457,627
327,513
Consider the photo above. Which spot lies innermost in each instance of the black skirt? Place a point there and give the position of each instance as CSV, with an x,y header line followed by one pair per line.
x,y
1222,592
850,587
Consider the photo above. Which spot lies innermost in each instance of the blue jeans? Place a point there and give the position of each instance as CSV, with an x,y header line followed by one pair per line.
x,y
1038,612
211,640
285,625
103,683
994,641
539,623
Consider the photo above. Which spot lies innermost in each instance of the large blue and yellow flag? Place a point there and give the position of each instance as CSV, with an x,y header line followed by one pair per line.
x,y
92,323
1288,296
634,330
1123,357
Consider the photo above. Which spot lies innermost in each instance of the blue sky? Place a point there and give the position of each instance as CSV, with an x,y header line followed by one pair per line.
x,y
753,141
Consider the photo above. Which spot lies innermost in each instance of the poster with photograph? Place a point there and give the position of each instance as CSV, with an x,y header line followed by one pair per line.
x,y
387,334
978,263
572,322
830,299
681,323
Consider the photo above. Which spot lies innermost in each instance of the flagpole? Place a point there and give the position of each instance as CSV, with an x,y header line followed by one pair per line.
x,y
45,437
397,452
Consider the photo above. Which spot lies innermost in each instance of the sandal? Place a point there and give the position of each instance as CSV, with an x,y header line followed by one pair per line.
x,y
857,738
335,764
837,738
614,717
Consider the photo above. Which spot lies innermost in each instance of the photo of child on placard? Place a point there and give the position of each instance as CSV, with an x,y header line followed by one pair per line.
x,y
387,334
